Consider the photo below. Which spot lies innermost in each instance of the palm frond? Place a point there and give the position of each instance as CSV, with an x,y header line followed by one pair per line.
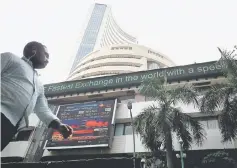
x,y
228,121
143,119
228,116
154,89
185,94
197,130
144,125
180,127
229,62
213,98
185,125
228,128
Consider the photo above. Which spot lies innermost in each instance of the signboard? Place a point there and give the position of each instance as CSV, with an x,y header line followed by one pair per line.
x,y
91,123
188,72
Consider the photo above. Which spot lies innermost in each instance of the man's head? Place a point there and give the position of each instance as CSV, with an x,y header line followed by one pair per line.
x,y
37,54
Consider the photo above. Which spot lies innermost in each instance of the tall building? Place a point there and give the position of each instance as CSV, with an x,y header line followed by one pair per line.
x,y
118,59
100,30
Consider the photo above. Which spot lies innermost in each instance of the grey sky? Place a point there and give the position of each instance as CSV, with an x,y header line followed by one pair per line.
x,y
187,31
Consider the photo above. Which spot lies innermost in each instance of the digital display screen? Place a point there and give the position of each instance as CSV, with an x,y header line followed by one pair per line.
x,y
91,123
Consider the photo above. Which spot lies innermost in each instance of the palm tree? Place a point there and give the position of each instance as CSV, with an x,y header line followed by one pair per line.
x,y
157,122
222,98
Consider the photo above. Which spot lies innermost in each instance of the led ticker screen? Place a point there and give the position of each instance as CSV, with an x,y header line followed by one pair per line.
x,y
91,123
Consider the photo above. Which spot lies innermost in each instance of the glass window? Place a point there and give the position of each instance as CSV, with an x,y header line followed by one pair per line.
x,y
119,129
128,129
152,65
149,99
91,33
212,124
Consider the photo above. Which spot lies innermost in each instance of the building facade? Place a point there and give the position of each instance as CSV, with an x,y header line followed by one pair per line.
x,y
124,87
118,59
100,30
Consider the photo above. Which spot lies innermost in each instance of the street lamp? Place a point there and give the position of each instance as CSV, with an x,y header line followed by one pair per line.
x,y
143,163
182,155
129,105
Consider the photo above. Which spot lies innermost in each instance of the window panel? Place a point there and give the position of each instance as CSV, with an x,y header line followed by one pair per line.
x,y
152,65
119,129
128,129
91,32
149,99
212,124
123,129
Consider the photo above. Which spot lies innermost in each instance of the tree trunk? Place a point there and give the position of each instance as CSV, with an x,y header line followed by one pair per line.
x,y
169,151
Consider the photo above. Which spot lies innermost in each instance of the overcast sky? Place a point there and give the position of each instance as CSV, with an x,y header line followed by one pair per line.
x,y
187,31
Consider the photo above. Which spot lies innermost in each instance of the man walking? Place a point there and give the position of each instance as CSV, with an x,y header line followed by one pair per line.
x,y
22,93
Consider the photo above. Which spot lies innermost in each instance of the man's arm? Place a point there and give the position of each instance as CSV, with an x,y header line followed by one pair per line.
x,y
45,114
5,60
43,111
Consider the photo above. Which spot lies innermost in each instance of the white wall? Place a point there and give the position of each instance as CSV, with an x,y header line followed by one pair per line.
x,y
123,112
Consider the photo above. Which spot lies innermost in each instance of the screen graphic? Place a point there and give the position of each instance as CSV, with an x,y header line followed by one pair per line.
x,y
91,123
